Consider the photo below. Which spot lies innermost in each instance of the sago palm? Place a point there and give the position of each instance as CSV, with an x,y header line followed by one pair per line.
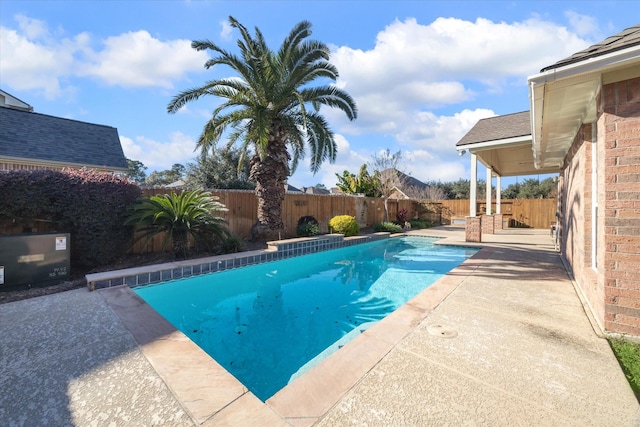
x,y
178,216
271,111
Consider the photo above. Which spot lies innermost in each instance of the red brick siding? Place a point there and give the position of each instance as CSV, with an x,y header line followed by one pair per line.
x,y
576,217
487,224
498,221
621,112
472,230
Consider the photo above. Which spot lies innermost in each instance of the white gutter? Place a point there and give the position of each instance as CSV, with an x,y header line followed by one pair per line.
x,y
599,64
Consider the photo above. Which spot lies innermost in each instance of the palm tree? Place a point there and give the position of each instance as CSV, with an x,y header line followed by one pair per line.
x,y
271,111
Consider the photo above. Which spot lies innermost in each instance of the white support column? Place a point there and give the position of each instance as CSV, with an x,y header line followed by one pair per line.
x,y
473,185
488,191
498,193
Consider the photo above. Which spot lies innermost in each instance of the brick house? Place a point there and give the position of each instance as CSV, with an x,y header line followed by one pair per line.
x,y
586,119
585,125
32,141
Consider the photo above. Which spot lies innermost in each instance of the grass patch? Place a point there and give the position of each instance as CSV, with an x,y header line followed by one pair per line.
x,y
628,354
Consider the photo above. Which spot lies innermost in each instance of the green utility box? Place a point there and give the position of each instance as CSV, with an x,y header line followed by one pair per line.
x,y
38,259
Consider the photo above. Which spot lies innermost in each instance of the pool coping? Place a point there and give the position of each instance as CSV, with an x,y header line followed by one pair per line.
x,y
211,395
276,250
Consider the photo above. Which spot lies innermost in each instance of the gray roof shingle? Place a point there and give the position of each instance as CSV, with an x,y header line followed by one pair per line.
x,y
624,39
499,127
37,136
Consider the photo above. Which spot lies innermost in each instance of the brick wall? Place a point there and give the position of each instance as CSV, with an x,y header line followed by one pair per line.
x,y
620,106
472,230
487,224
575,220
498,221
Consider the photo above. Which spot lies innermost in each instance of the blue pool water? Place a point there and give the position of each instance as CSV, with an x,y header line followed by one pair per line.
x,y
269,323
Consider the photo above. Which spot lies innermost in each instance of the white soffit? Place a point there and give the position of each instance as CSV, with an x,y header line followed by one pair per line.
x,y
564,98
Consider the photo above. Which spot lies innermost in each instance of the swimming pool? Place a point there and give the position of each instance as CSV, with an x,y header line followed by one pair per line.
x,y
269,323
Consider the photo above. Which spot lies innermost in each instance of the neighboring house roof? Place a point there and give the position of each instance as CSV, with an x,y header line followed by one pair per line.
x,y
54,141
10,101
316,190
177,184
498,127
624,39
398,194
409,181
291,189
563,95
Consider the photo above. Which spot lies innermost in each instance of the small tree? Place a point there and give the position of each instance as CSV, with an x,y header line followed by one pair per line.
x,y
136,172
166,177
222,169
428,192
363,183
386,167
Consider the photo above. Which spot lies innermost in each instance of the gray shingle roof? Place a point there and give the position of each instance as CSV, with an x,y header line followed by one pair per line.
x,y
624,39
499,127
35,136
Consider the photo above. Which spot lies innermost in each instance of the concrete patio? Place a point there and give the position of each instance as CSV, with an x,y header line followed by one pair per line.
x,y
501,340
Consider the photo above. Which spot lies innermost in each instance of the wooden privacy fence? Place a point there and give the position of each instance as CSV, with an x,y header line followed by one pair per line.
x,y
530,213
242,209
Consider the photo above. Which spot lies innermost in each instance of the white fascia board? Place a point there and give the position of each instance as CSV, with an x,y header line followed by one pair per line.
x,y
488,145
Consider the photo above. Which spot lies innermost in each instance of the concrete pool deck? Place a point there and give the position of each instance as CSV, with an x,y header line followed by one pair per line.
x,y
501,340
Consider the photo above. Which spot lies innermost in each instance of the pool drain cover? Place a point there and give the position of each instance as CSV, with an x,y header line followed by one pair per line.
x,y
441,331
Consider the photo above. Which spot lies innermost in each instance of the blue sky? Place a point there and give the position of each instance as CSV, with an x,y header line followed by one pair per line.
x,y
422,72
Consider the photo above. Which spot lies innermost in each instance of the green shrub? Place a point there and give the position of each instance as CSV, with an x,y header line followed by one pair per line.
x,y
307,226
178,217
420,223
232,244
391,227
344,224
307,230
89,205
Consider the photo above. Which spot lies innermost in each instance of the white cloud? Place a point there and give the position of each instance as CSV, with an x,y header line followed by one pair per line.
x,y
156,155
415,67
29,65
440,133
428,154
32,59
32,28
346,159
137,59
583,25
226,30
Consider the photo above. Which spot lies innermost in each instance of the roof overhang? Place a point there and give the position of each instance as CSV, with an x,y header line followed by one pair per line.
x,y
51,164
564,98
507,157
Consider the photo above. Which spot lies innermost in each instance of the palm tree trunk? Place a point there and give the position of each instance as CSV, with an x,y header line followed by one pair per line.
x,y
180,242
270,174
